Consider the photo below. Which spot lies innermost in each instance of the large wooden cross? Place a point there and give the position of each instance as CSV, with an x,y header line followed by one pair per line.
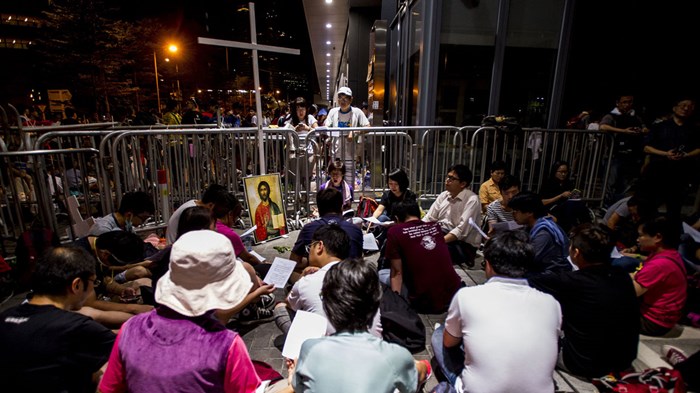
x,y
256,74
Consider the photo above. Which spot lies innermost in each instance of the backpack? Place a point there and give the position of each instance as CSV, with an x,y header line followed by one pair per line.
x,y
650,380
31,245
400,323
366,207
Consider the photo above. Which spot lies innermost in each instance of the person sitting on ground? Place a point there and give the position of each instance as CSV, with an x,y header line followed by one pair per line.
x,y
46,346
661,282
134,209
336,171
223,226
626,218
330,203
256,307
500,210
490,190
204,276
398,192
117,255
420,261
329,245
352,360
452,210
600,309
214,197
560,196
501,336
550,243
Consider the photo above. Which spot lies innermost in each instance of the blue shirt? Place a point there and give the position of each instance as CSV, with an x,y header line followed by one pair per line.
x,y
308,230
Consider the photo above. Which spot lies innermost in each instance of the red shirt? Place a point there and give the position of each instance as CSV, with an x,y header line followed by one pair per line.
x,y
664,277
427,268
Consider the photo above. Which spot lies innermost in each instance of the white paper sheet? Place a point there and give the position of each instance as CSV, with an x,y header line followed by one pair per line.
x,y
473,224
257,256
262,387
304,326
249,231
615,253
377,222
369,242
692,232
279,272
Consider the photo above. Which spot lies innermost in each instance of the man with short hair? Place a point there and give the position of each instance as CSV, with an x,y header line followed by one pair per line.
x,y
489,190
420,261
45,346
549,241
268,215
601,312
329,245
330,210
134,209
452,210
501,336
627,129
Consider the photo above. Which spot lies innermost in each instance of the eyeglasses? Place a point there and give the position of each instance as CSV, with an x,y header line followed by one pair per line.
x,y
95,282
452,178
308,246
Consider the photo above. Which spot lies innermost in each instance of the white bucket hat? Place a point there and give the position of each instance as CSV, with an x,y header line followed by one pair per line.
x,y
204,275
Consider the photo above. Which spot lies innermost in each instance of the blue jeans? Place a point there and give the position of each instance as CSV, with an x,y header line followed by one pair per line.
x,y
450,360
628,264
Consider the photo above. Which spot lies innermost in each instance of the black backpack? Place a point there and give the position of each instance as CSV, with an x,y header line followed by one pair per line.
x,y
400,323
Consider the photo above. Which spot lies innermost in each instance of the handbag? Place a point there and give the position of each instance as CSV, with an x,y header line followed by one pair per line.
x,y
651,380
401,324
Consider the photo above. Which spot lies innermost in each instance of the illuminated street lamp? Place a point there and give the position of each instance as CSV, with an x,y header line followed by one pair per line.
x,y
173,49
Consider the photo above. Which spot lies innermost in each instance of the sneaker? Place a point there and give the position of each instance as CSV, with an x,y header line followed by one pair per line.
x,y
266,301
428,373
673,355
254,314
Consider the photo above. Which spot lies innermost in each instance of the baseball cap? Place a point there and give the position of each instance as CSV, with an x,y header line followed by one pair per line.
x,y
345,90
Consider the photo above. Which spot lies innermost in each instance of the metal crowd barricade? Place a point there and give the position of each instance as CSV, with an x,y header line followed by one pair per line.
x,y
36,194
530,155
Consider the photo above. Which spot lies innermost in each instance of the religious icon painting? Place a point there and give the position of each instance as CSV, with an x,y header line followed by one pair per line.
x,y
266,206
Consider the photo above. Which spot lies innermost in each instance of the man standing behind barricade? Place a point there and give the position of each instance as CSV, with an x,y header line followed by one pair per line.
x,y
547,238
346,116
601,312
673,146
134,209
627,154
192,115
452,210
171,115
268,216
45,345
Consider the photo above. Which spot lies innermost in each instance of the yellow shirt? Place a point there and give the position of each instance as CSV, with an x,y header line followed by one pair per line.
x,y
489,192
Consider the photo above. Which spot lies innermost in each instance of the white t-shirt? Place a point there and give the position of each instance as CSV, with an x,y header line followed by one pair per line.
x,y
171,232
306,296
510,333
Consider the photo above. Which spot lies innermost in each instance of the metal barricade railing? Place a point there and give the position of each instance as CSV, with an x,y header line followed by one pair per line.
x,y
36,193
530,155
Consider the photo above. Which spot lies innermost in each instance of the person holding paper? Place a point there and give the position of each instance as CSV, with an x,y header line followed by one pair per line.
x,y
268,216
498,211
600,309
420,261
353,360
329,245
452,210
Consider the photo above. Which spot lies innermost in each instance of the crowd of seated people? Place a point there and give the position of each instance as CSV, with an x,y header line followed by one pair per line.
x,y
548,275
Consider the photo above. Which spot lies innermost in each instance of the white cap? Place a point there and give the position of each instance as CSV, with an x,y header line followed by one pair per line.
x,y
345,90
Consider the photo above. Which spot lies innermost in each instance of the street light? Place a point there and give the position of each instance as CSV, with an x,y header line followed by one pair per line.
x,y
173,49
